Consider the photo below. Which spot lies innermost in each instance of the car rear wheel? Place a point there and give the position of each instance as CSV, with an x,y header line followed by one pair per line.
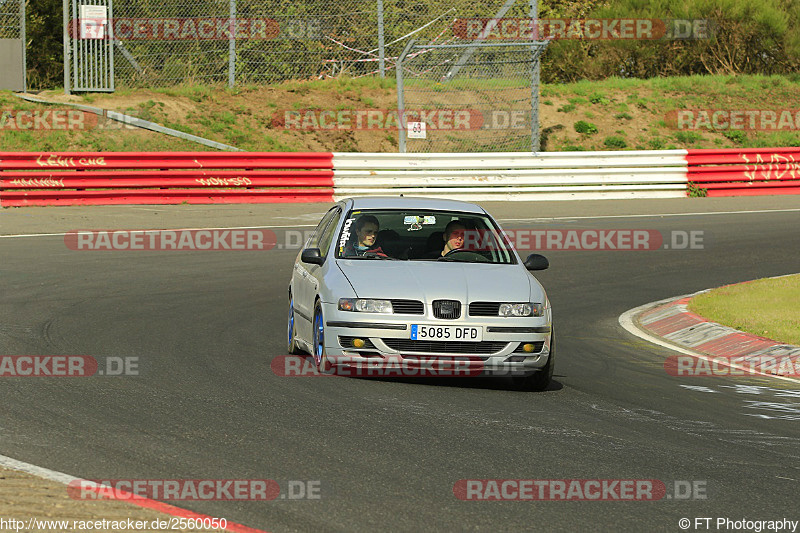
x,y
292,345
542,378
319,340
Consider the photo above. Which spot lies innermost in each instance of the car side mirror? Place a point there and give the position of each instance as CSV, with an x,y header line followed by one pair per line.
x,y
312,255
536,262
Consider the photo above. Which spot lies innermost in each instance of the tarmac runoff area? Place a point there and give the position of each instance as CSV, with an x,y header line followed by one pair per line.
x,y
25,496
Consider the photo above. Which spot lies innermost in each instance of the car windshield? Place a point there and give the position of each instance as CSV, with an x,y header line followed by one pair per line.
x,y
422,235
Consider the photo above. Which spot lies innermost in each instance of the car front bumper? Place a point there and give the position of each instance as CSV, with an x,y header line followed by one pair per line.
x,y
389,350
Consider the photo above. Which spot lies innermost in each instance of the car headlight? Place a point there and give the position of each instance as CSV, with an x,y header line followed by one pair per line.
x,y
365,305
525,309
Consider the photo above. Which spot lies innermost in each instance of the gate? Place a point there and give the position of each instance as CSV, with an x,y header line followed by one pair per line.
x,y
88,46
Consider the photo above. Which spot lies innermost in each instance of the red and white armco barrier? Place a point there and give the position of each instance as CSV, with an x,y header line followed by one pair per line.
x,y
103,178
86,178
745,171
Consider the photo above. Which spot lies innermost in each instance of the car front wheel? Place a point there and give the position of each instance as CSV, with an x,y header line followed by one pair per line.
x,y
292,346
319,340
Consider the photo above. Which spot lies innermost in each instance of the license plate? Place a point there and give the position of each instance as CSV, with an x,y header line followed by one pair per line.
x,y
420,332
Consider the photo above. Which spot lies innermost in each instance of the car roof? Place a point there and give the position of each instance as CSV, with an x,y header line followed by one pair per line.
x,y
411,202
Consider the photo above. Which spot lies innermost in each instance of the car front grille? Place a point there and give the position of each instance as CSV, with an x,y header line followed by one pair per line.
x,y
445,347
408,307
447,309
484,308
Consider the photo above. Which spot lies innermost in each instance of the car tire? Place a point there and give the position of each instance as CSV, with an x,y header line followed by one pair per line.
x,y
541,379
292,346
320,357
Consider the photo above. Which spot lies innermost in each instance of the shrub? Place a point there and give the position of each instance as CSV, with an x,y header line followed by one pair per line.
x,y
585,127
615,142
737,136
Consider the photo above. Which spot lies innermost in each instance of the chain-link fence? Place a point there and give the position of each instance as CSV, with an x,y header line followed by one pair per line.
x,y
11,21
163,42
12,44
466,97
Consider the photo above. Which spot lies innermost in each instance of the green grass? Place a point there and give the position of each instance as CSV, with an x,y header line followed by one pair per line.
x,y
765,307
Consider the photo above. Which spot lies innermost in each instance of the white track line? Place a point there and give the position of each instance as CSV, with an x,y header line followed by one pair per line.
x,y
37,471
20,235
653,215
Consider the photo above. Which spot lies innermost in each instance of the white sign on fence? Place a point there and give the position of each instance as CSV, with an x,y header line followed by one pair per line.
x,y
94,20
416,130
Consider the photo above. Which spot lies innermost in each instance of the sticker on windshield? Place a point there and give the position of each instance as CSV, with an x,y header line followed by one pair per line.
x,y
415,222
345,235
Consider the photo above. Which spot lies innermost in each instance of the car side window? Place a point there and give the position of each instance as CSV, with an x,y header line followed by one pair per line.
x,y
313,242
326,237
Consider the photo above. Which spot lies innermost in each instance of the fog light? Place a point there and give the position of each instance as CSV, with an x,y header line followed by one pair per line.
x,y
528,347
358,343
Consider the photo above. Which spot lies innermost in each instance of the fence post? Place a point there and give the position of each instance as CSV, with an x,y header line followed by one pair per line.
x,y
401,112
534,14
232,45
67,58
22,4
381,47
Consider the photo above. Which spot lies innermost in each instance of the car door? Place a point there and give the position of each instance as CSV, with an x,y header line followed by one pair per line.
x,y
305,281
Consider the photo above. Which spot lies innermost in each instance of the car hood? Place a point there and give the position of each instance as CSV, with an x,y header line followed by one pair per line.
x,y
433,280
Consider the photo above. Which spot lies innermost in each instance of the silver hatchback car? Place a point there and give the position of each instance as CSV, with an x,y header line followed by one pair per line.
x,y
411,284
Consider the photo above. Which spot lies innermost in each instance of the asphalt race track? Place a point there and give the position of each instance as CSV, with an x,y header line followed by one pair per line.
x,y
387,452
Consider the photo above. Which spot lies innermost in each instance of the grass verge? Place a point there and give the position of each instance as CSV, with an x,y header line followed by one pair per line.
x,y
629,114
766,307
